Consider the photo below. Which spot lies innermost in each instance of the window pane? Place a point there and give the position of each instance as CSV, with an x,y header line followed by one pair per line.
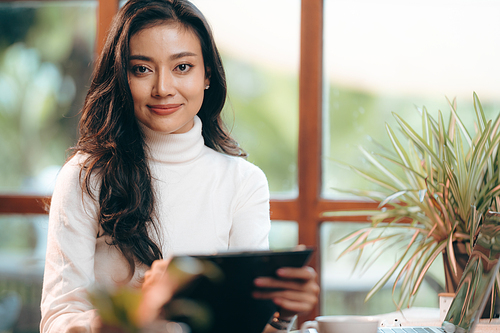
x,y
344,290
22,251
260,50
391,56
46,49
283,235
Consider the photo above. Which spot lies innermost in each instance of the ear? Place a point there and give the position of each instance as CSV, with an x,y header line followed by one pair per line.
x,y
208,74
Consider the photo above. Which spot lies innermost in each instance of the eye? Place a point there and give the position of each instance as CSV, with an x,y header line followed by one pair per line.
x,y
139,69
184,67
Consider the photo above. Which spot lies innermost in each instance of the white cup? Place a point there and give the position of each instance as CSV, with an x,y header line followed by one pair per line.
x,y
342,324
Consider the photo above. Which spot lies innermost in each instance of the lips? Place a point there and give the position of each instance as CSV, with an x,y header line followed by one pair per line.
x,y
164,109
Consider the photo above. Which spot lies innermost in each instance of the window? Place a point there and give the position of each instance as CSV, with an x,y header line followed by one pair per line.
x,y
356,62
261,59
46,50
394,56
45,64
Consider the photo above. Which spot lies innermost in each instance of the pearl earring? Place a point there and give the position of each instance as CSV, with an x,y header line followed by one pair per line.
x,y
207,86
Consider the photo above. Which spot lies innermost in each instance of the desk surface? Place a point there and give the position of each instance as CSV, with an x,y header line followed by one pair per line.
x,y
430,317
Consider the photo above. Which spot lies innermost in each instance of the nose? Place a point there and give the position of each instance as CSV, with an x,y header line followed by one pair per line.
x,y
164,85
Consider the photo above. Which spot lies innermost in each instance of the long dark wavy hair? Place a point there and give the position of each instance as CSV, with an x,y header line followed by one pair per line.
x,y
111,137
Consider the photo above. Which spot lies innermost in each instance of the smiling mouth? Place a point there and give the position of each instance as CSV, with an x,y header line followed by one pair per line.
x,y
164,109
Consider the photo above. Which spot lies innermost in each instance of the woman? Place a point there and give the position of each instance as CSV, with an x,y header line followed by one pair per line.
x,y
155,171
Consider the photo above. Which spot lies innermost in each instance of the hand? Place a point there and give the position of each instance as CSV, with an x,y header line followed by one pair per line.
x,y
157,290
295,290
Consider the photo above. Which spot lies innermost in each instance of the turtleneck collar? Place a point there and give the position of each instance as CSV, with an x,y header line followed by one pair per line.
x,y
174,148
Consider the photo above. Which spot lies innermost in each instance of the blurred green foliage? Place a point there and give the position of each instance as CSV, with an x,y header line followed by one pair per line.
x,y
18,234
45,65
264,106
357,118
46,51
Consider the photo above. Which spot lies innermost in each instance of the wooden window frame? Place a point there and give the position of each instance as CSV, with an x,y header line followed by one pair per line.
x,y
307,208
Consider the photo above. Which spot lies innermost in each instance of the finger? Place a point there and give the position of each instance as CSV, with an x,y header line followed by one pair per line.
x,y
302,273
148,275
156,272
290,304
309,286
286,294
293,306
160,265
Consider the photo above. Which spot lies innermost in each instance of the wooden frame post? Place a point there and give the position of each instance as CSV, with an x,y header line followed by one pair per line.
x,y
310,120
106,10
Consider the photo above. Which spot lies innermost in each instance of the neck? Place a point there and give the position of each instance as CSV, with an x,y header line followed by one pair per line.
x,y
174,148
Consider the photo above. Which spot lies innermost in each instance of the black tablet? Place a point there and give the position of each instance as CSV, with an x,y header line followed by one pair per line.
x,y
222,300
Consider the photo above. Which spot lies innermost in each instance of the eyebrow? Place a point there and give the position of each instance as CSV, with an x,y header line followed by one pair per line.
x,y
172,57
182,55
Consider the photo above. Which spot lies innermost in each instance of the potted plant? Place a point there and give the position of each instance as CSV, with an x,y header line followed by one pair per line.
x,y
435,189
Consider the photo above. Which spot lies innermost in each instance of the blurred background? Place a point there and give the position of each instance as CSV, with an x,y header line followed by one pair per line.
x,y
379,57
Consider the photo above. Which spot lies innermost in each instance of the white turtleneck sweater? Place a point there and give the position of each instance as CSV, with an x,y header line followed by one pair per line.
x,y
206,202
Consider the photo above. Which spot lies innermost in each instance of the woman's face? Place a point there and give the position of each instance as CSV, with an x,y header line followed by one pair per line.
x,y
166,75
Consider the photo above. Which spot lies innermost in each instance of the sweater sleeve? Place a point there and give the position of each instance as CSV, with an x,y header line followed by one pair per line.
x,y
251,220
69,263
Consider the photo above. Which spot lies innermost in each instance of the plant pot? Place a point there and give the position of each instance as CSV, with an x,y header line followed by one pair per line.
x,y
452,280
461,255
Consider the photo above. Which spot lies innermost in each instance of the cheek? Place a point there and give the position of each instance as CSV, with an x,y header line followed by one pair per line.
x,y
138,90
195,89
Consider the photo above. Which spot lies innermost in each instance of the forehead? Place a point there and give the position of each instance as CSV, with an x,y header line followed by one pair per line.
x,y
167,39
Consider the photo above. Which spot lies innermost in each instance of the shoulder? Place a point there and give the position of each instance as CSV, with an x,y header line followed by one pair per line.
x,y
71,170
70,201
238,167
71,175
